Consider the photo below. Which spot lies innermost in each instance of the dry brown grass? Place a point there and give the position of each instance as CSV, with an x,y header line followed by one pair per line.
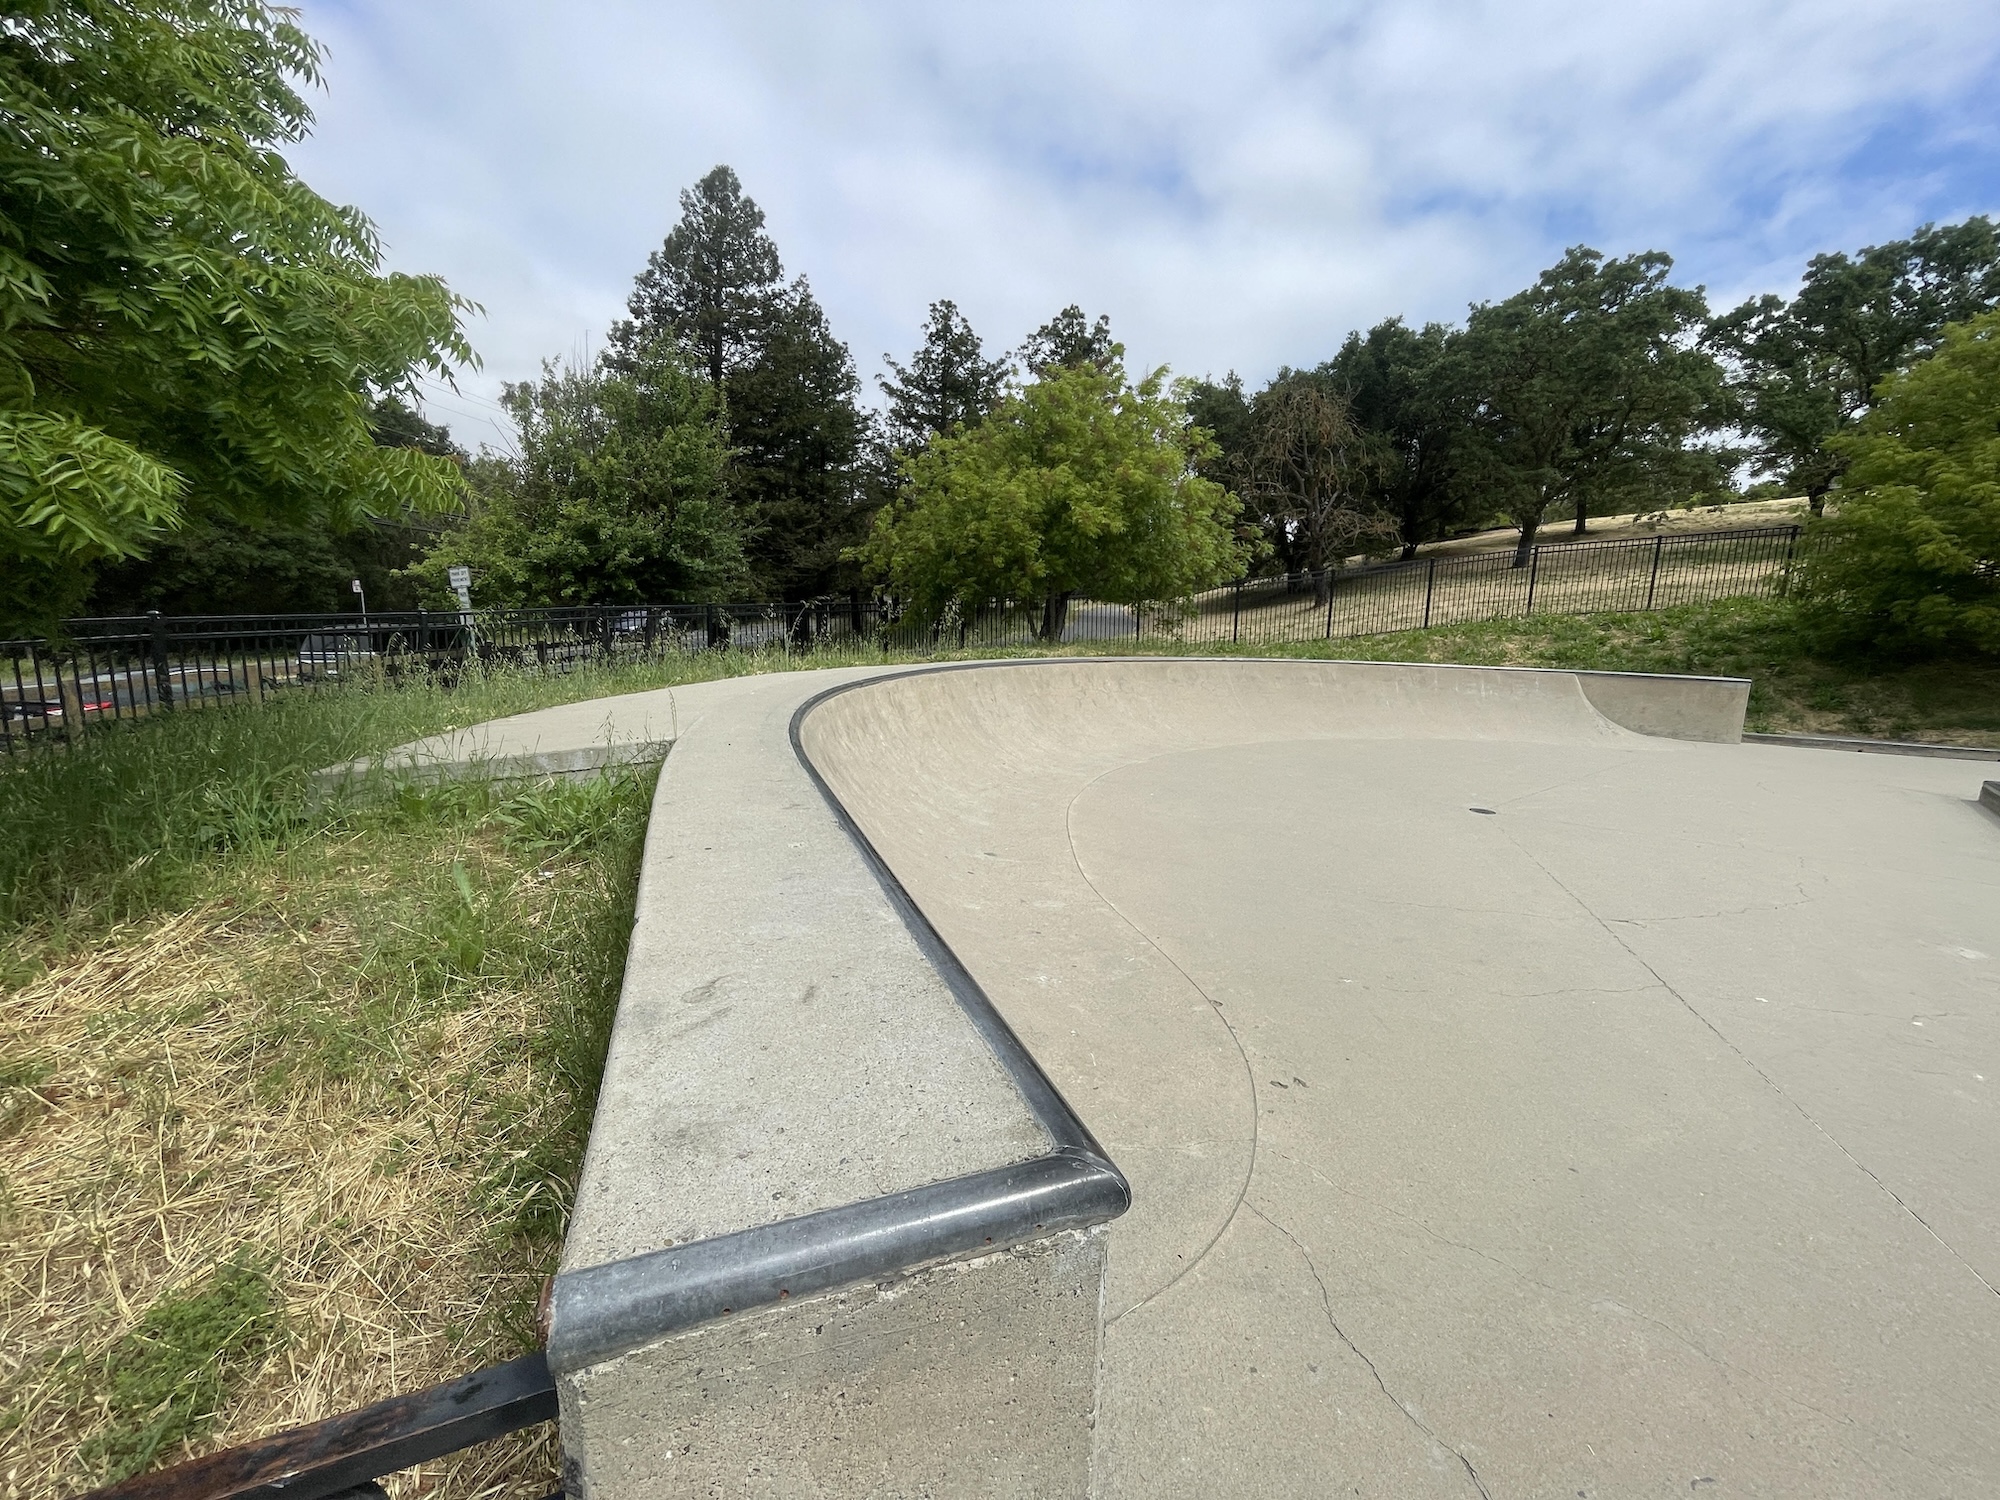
x,y
332,1070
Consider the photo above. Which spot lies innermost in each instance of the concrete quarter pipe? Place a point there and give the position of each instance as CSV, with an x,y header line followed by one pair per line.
x,y
1512,1103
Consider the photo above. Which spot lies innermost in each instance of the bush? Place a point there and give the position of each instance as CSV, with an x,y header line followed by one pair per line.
x,y
1909,558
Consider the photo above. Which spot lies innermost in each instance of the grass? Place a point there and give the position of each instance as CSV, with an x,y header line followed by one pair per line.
x,y
292,1098
304,1137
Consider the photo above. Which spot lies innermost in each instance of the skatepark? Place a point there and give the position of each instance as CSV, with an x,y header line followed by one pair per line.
x,y
1141,1077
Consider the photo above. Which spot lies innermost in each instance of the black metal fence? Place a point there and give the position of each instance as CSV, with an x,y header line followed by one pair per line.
x,y
110,670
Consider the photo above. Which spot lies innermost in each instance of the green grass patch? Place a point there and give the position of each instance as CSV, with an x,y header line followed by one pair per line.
x,y
162,1382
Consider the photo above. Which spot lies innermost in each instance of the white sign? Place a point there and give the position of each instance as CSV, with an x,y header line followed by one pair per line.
x,y
357,585
461,578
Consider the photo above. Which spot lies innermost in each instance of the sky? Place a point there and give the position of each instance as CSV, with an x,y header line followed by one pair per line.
x,y
1237,185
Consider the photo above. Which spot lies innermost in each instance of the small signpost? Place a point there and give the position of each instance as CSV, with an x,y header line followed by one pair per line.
x,y
364,601
461,585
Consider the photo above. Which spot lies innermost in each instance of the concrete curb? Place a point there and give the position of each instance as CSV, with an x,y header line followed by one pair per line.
x,y
1989,796
364,774
1873,747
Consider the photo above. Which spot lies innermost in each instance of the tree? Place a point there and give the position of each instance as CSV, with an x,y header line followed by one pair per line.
x,y
1588,388
787,385
1069,338
1222,411
947,385
712,283
187,331
1807,370
619,495
1081,483
1309,473
394,423
798,436
1908,556
1403,386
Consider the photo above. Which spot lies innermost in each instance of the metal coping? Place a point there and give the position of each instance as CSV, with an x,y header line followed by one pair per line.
x,y
600,1312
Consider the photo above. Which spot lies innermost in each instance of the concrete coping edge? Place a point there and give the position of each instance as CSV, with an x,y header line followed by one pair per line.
x,y
1873,747
360,775
600,1312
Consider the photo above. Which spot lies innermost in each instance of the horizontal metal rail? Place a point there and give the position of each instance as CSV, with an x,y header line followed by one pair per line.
x,y
344,1455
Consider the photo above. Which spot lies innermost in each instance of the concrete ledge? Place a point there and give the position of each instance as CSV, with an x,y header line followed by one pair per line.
x,y
394,770
1989,796
1873,747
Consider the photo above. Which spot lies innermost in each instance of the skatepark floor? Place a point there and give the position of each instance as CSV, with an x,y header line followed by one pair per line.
x,y
1513,1106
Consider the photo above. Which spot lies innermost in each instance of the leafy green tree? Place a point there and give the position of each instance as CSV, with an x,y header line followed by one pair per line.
x,y
186,330
394,423
1404,386
713,283
1069,338
1081,483
798,443
1908,556
619,495
217,565
1588,389
948,384
1807,370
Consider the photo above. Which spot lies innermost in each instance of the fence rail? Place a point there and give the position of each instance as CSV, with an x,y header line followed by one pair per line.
x,y
111,670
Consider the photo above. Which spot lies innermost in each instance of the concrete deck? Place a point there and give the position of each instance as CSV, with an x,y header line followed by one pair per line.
x,y
1513,1104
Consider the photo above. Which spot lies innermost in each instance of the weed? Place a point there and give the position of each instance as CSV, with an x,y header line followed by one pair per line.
x,y
162,1382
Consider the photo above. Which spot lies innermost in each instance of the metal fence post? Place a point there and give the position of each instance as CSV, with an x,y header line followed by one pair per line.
x,y
1236,623
163,678
1534,566
1330,576
1430,588
1653,582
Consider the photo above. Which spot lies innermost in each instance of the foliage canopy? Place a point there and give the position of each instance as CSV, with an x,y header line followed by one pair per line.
x,y
186,329
1588,388
618,495
948,384
1909,556
1080,483
1806,370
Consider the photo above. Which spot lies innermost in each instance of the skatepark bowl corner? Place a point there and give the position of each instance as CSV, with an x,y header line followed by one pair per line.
x,y
1214,1077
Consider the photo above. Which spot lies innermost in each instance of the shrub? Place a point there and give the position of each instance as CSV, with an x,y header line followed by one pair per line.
x,y
1909,559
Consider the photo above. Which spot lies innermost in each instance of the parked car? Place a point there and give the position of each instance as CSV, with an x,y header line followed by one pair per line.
x,y
329,653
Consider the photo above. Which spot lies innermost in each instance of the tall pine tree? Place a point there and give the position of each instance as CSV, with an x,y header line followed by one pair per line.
x,y
787,385
948,384
712,283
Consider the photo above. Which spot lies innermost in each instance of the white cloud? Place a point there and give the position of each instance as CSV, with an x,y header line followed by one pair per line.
x,y
1237,186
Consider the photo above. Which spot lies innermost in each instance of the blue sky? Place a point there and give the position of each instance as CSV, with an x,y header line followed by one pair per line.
x,y
1237,186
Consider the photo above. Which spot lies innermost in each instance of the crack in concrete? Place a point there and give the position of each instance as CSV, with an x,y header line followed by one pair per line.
x,y
1249,1073
1679,1335
1751,1063
1326,1305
